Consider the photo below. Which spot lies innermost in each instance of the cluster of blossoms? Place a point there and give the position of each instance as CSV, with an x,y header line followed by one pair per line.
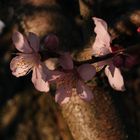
x,y
65,75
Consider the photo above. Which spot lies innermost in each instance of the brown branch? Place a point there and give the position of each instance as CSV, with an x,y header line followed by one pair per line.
x,y
134,50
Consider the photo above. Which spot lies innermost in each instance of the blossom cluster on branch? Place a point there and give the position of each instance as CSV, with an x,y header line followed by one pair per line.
x,y
62,70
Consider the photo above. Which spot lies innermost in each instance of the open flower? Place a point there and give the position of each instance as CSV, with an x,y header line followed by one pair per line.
x,y
102,47
70,77
28,59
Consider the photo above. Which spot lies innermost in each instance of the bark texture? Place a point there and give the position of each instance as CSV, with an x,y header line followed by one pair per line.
x,y
97,120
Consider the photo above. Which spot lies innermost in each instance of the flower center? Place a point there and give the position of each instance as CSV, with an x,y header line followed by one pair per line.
x,y
27,61
69,78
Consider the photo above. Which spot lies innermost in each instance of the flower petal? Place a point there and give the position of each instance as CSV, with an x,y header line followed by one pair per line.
x,y
53,76
34,41
63,94
83,91
50,75
38,81
112,69
102,42
21,43
21,65
116,81
86,71
65,61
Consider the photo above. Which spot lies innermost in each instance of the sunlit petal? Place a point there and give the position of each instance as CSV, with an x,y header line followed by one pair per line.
x,y
116,81
21,43
102,42
21,65
38,81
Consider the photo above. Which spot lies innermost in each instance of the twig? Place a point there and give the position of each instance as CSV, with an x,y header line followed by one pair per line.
x,y
135,49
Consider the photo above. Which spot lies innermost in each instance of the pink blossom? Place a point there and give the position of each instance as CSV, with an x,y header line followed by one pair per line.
x,y
29,59
69,77
102,42
138,29
102,47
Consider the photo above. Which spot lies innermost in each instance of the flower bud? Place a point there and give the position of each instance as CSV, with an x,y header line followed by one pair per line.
x,y
51,42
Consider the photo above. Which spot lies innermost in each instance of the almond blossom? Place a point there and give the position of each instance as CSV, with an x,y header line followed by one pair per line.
x,y
102,47
29,59
69,77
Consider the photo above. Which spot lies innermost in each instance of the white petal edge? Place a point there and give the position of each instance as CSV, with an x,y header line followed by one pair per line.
x,y
115,81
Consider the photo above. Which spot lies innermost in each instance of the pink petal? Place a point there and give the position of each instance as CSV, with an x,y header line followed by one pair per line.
x,y
34,41
65,61
102,42
50,75
86,71
116,81
63,94
112,69
53,76
37,79
84,92
100,23
21,65
21,43
101,30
